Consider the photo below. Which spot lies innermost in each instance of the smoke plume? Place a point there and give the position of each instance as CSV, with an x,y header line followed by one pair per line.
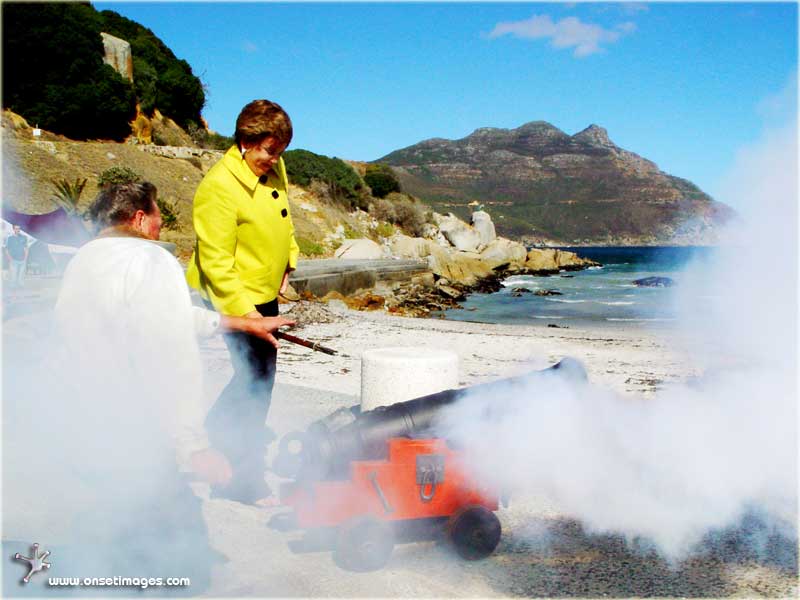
x,y
700,456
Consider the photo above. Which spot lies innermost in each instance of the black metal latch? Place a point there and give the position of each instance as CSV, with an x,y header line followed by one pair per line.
x,y
430,473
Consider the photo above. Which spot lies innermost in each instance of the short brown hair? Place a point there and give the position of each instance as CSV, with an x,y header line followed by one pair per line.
x,y
262,119
117,204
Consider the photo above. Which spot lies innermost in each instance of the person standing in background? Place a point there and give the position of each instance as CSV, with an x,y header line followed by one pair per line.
x,y
244,253
16,250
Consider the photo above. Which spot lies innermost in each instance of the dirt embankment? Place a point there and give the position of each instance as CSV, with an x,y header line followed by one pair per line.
x,y
33,164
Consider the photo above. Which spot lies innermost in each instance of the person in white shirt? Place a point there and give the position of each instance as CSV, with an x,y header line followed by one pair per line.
x,y
129,332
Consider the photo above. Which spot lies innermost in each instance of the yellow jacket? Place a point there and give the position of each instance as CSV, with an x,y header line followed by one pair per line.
x,y
245,235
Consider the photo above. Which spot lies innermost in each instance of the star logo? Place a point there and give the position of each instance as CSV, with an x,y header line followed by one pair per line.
x,y
35,562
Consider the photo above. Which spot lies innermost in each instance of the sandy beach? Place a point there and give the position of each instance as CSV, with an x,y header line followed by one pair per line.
x,y
544,552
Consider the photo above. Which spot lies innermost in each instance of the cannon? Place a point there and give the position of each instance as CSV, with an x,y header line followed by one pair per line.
x,y
362,481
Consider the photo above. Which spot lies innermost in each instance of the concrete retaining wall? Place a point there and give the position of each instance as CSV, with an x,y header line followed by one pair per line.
x,y
348,276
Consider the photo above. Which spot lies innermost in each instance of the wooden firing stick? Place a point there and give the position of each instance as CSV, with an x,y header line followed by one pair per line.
x,y
306,343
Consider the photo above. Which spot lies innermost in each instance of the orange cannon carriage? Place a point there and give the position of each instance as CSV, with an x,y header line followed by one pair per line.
x,y
364,480
421,490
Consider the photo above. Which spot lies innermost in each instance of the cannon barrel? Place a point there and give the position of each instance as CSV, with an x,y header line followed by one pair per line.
x,y
327,447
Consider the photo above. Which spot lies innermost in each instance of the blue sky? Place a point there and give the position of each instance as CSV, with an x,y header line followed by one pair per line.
x,y
685,85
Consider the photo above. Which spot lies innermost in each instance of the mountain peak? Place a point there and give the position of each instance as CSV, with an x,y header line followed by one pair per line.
x,y
594,135
538,126
541,181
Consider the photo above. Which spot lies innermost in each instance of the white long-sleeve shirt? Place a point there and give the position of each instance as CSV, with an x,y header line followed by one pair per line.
x,y
125,315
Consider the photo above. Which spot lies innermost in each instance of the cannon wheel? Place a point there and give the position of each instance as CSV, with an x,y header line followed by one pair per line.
x,y
363,544
473,532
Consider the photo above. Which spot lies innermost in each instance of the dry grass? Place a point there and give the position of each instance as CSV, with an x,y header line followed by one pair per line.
x,y
31,166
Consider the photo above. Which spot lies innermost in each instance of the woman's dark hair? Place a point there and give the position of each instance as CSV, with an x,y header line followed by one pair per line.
x,y
262,119
117,204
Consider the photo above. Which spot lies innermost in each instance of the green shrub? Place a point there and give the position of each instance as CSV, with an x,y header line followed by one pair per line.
x,y
344,185
169,213
117,175
401,210
309,248
383,210
350,233
208,139
382,180
384,230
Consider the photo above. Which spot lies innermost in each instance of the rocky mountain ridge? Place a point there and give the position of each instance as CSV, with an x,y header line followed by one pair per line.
x,y
546,186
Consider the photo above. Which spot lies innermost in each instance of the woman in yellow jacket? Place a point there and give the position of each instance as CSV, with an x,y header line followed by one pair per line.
x,y
245,251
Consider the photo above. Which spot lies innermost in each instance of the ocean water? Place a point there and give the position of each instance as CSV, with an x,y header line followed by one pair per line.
x,y
604,294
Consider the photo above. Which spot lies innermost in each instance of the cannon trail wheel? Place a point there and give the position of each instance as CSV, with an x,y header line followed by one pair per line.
x,y
363,544
474,532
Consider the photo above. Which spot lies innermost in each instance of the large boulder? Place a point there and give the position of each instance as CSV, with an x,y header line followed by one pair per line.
x,y
654,282
459,234
404,246
408,247
482,223
359,249
502,251
460,267
552,259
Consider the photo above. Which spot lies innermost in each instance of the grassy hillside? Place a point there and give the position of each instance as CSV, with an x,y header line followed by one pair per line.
x,y
31,165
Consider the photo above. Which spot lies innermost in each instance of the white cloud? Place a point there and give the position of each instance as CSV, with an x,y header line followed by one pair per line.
x,y
569,32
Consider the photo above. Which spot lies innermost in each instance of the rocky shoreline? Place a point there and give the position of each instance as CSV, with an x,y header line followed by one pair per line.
x,y
462,258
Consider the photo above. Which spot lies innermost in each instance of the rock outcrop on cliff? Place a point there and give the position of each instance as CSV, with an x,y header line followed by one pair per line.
x,y
543,185
117,54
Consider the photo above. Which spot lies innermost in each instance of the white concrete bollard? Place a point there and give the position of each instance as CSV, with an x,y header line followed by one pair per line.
x,y
391,375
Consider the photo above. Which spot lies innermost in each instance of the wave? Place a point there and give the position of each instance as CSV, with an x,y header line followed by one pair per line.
x,y
518,279
615,303
595,268
565,301
640,319
544,317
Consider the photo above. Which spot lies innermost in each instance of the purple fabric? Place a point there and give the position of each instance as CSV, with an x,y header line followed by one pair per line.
x,y
55,227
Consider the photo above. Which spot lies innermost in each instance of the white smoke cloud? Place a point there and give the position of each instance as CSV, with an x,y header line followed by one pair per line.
x,y
698,456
